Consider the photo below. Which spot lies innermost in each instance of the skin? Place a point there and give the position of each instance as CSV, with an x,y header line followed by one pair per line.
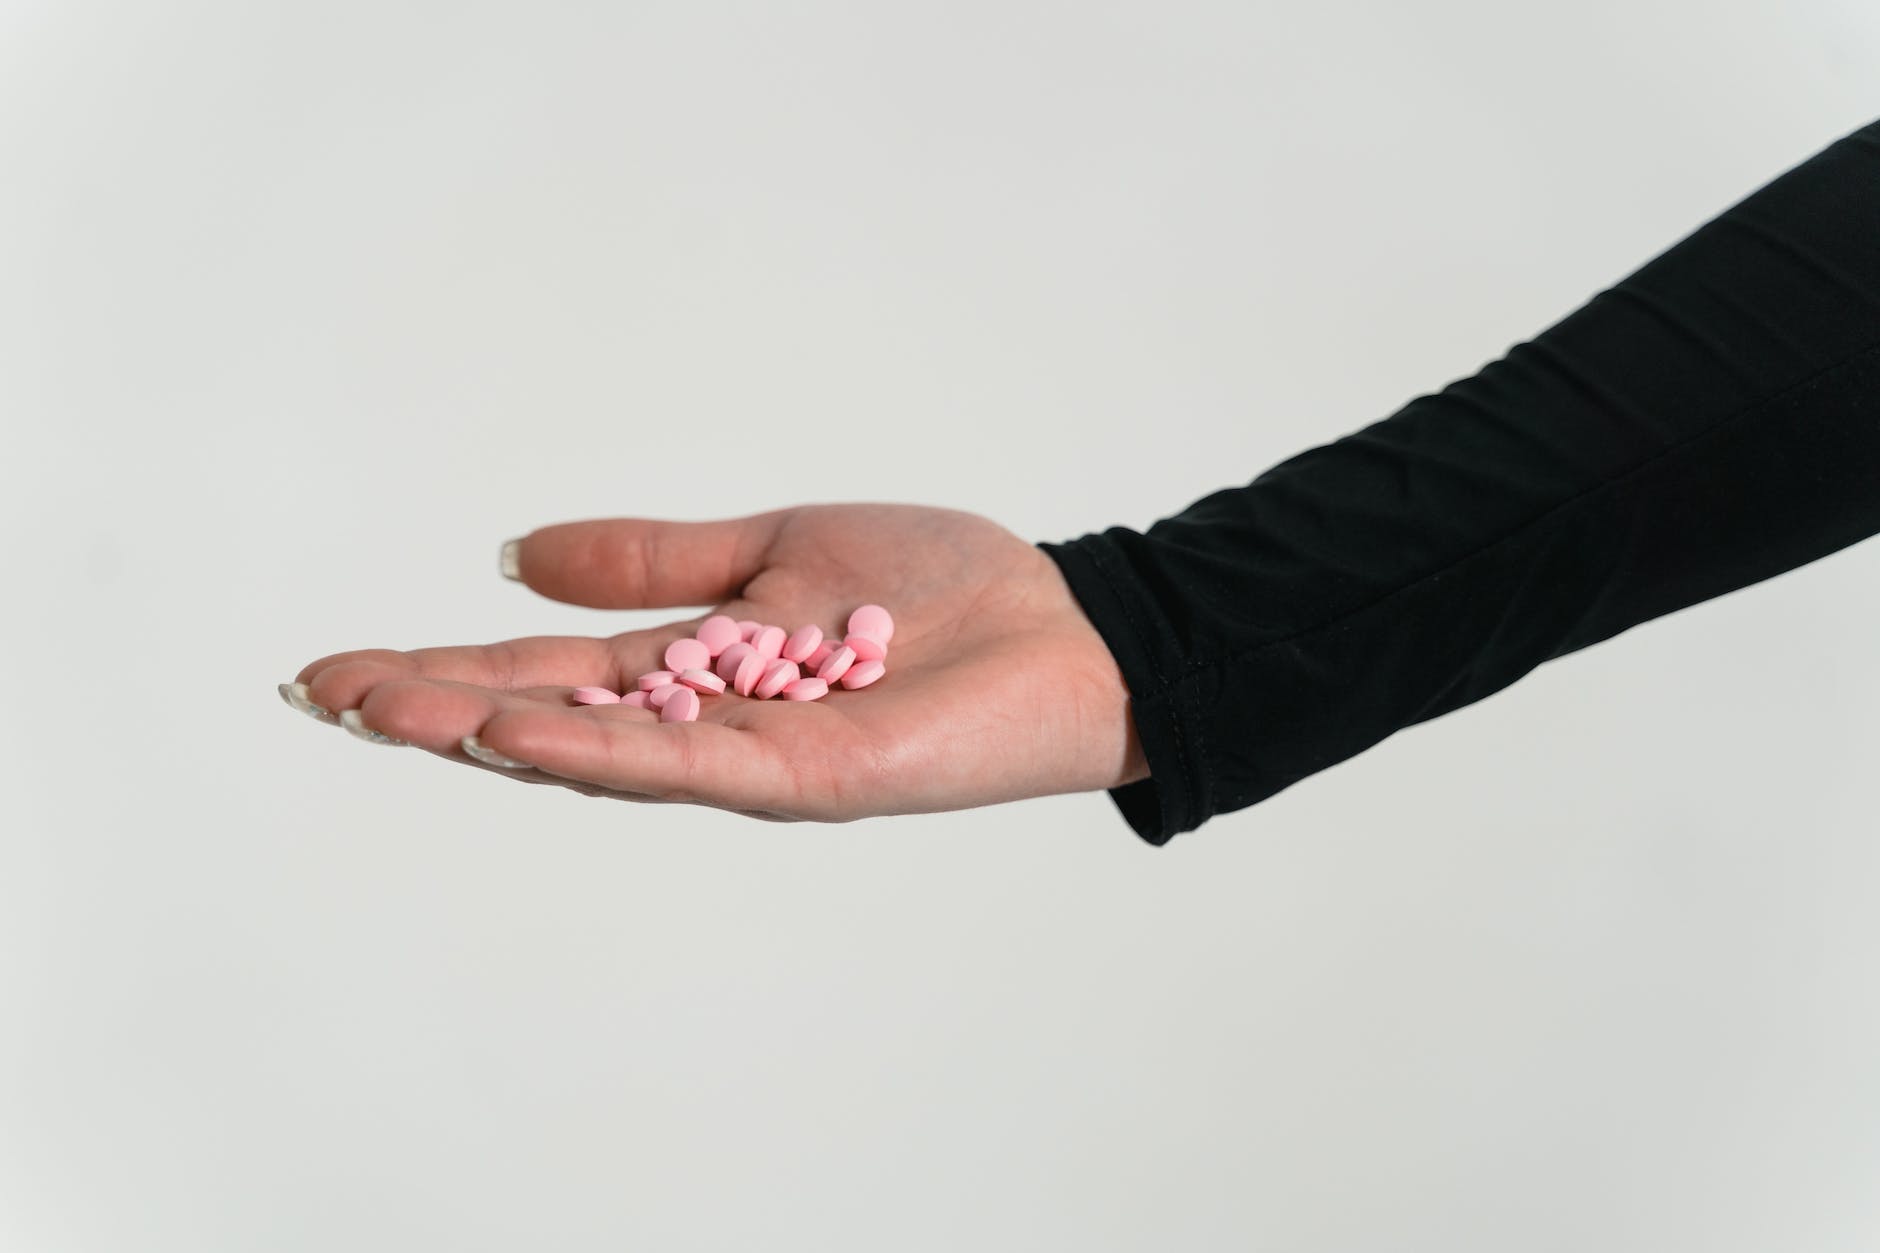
x,y
998,687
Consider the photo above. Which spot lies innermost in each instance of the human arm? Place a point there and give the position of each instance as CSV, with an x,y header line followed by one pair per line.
x,y
1707,422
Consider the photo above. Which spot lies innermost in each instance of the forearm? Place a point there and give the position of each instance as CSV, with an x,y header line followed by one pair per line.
x,y
1707,422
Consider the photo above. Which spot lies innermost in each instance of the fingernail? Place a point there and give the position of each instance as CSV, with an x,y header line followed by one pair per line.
x,y
489,756
512,560
352,721
295,694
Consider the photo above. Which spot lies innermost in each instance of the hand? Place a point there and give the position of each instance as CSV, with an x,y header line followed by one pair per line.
x,y
997,686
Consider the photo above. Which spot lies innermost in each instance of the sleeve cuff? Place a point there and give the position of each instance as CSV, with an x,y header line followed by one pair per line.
x,y
1171,800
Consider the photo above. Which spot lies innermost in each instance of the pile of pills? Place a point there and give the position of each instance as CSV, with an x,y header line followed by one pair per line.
x,y
757,660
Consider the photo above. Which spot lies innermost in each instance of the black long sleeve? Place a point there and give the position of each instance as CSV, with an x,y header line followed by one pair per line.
x,y
1708,422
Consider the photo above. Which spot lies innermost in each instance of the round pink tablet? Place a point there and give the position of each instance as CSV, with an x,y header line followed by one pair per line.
x,y
862,673
595,696
867,647
769,642
683,707
658,697
750,670
703,681
777,675
802,642
638,700
718,633
836,664
872,621
687,654
747,627
815,659
805,689
655,678
727,664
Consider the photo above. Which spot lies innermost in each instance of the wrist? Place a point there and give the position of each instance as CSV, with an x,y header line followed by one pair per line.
x,y
1135,765
1109,751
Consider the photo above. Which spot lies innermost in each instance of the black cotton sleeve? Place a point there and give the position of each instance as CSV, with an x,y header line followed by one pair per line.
x,y
1709,421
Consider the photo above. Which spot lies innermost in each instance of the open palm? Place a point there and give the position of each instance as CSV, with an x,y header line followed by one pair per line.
x,y
997,687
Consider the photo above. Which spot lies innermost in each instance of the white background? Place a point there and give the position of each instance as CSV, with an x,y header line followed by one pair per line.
x,y
305,308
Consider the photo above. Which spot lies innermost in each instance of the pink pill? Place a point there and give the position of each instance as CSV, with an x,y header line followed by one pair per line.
x,y
658,697
727,664
866,647
836,664
750,672
718,633
777,675
655,678
805,689
703,681
687,654
872,621
594,696
747,627
802,642
683,707
638,700
815,659
862,673
769,642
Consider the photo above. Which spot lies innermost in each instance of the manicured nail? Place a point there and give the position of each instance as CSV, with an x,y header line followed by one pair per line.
x,y
295,694
512,560
489,756
352,721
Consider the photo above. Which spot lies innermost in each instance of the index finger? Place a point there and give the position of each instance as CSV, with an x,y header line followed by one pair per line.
x,y
342,680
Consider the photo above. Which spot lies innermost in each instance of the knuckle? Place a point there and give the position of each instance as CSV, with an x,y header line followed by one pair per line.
x,y
344,684
391,706
609,557
326,665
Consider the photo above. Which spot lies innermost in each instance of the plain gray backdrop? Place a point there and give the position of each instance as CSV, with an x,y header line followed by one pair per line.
x,y
305,308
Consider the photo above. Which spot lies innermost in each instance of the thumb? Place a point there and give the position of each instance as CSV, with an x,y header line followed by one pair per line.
x,y
642,563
